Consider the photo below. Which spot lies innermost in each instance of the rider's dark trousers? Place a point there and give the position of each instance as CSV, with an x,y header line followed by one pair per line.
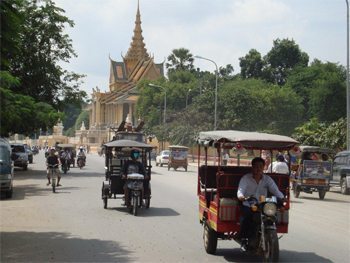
x,y
247,223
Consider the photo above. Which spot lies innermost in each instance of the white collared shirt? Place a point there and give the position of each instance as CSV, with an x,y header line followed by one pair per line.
x,y
248,186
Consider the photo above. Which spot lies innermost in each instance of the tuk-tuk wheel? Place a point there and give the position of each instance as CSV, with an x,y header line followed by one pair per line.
x,y
210,239
147,202
186,168
168,167
321,194
105,200
344,187
296,191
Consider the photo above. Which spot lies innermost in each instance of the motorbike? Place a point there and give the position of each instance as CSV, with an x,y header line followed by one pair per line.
x,y
134,184
264,242
53,175
65,165
81,161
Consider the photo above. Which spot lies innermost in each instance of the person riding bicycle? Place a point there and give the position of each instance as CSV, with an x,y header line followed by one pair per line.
x,y
132,166
81,155
53,160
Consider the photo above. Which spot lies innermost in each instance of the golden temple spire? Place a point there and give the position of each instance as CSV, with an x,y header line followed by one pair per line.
x,y
137,48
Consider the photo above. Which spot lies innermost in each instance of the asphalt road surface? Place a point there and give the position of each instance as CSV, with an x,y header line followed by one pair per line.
x,y
72,226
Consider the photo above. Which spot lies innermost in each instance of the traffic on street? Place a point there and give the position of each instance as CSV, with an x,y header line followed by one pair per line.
x,y
72,225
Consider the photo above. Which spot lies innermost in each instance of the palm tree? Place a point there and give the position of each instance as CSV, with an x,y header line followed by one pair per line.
x,y
180,59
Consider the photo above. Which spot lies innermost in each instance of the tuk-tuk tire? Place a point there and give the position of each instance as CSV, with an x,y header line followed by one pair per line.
x,y
343,186
168,167
321,194
105,201
186,168
296,191
134,205
161,165
147,202
210,239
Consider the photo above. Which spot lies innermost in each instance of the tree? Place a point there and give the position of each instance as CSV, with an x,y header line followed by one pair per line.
x,y
322,89
226,72
180,59
251,65
284,56
42,46
33,44
317,133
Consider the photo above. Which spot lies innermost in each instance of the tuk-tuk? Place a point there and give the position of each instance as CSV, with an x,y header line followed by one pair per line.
x,y
219,207
178,157
71,149
313,171
117,153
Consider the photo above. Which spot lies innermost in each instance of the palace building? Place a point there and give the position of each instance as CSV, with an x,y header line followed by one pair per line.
x,y
109,109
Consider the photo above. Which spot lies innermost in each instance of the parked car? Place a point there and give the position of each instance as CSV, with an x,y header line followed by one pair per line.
x,y
163,158
19,155
341,171
30,153
6,168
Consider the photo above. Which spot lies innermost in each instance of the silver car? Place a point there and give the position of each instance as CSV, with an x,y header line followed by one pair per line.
x,y
163,158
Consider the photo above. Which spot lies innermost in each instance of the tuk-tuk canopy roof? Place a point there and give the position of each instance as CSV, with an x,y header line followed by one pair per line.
x,y
66,145
249,140
127,143
315,149
173,147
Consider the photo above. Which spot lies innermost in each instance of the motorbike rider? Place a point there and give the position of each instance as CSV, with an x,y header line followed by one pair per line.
x,y
81,155
66,156
52,159
132,166
254,184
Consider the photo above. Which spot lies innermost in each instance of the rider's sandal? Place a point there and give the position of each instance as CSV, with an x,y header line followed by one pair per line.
x,y
48,184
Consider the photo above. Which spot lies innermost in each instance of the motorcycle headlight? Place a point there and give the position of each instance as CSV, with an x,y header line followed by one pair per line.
x,y
270,209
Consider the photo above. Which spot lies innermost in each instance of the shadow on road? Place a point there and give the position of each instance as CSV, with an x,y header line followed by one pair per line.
x,y
59,247
20,192
235,255
324,200
151,212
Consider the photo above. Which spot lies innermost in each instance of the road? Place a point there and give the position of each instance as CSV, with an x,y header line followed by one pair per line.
x,y
72,226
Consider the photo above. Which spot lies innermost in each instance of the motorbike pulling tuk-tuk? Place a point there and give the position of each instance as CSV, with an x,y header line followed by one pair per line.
x,y
117,154
178,157
68,148
219,207
312,171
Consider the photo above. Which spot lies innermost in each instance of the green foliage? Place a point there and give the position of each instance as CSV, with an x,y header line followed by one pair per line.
x,y
284,56
251,65
317,133
33,45
323,90
22,114
254,105
180,59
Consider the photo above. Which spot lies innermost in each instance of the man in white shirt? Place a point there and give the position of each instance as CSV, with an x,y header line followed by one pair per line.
x,y
254,184
279,166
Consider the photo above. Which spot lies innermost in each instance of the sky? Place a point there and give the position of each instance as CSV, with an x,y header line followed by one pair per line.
x,y
220,30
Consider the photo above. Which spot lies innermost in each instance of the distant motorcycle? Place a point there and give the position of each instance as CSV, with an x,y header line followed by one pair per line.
x,y
81,161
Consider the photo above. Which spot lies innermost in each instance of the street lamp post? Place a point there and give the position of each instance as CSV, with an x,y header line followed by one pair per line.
x,y
347,79
216,87
164,114
188,92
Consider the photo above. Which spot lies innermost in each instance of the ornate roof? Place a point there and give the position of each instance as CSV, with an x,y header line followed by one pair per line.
x,y
137,48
